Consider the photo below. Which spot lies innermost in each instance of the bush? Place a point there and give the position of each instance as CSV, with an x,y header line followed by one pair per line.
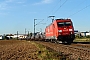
x,y
88,36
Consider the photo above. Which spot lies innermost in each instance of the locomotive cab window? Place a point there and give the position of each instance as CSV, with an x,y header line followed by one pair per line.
x,y
67,23
60,24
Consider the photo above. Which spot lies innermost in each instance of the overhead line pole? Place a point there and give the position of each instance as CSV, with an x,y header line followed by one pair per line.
x,y
34,28
17,35
35,25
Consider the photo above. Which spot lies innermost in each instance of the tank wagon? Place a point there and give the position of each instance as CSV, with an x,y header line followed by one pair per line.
x,y
60,30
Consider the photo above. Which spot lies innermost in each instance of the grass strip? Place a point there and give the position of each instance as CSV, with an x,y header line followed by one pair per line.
x,y
46,53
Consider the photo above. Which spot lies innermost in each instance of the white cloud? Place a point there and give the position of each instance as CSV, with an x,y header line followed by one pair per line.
x,y
44,2
8,1
20,2
5,4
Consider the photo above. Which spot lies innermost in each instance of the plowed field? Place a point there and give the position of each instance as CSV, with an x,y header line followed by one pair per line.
x,y
17,50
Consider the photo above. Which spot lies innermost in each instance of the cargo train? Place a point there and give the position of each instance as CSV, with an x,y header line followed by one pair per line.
x,y
59,30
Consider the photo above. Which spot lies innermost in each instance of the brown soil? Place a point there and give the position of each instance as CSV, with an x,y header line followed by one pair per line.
x,y
17,50
74,54
27,50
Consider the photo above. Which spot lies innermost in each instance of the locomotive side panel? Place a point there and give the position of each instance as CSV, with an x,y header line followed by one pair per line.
x,y
49,32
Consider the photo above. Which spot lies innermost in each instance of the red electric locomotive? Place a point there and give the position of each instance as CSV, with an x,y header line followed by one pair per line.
x,y
60,30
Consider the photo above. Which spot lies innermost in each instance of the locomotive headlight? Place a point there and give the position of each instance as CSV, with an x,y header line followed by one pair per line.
x,y
59,30
70,30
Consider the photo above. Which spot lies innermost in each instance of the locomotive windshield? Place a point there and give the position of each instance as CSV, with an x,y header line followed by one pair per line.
x,y
60,24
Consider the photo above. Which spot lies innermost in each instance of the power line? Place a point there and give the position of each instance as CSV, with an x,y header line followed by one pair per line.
x,y
79,11
56,5
40,21
60,6
78,5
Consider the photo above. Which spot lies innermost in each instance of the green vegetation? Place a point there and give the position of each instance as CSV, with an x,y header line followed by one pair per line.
x,y
46,53
82,38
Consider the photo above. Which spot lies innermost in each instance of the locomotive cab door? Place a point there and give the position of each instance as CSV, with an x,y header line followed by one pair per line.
x,y
54,32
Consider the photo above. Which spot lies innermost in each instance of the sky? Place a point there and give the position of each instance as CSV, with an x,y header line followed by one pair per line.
x,y
18,15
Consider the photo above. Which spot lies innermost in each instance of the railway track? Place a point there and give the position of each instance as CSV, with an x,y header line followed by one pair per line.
x,y
77,50
82,45
83,53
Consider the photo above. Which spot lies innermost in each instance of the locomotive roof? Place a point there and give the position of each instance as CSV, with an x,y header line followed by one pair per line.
x,y
62,19
58,19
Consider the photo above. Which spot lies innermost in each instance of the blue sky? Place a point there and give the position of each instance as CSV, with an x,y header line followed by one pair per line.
x,y
16,15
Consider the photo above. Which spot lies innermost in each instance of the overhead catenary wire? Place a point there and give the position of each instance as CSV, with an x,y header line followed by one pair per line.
x,y
60,6
64,3
40,21
72,9
79,10
51,12
78,5
55,6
